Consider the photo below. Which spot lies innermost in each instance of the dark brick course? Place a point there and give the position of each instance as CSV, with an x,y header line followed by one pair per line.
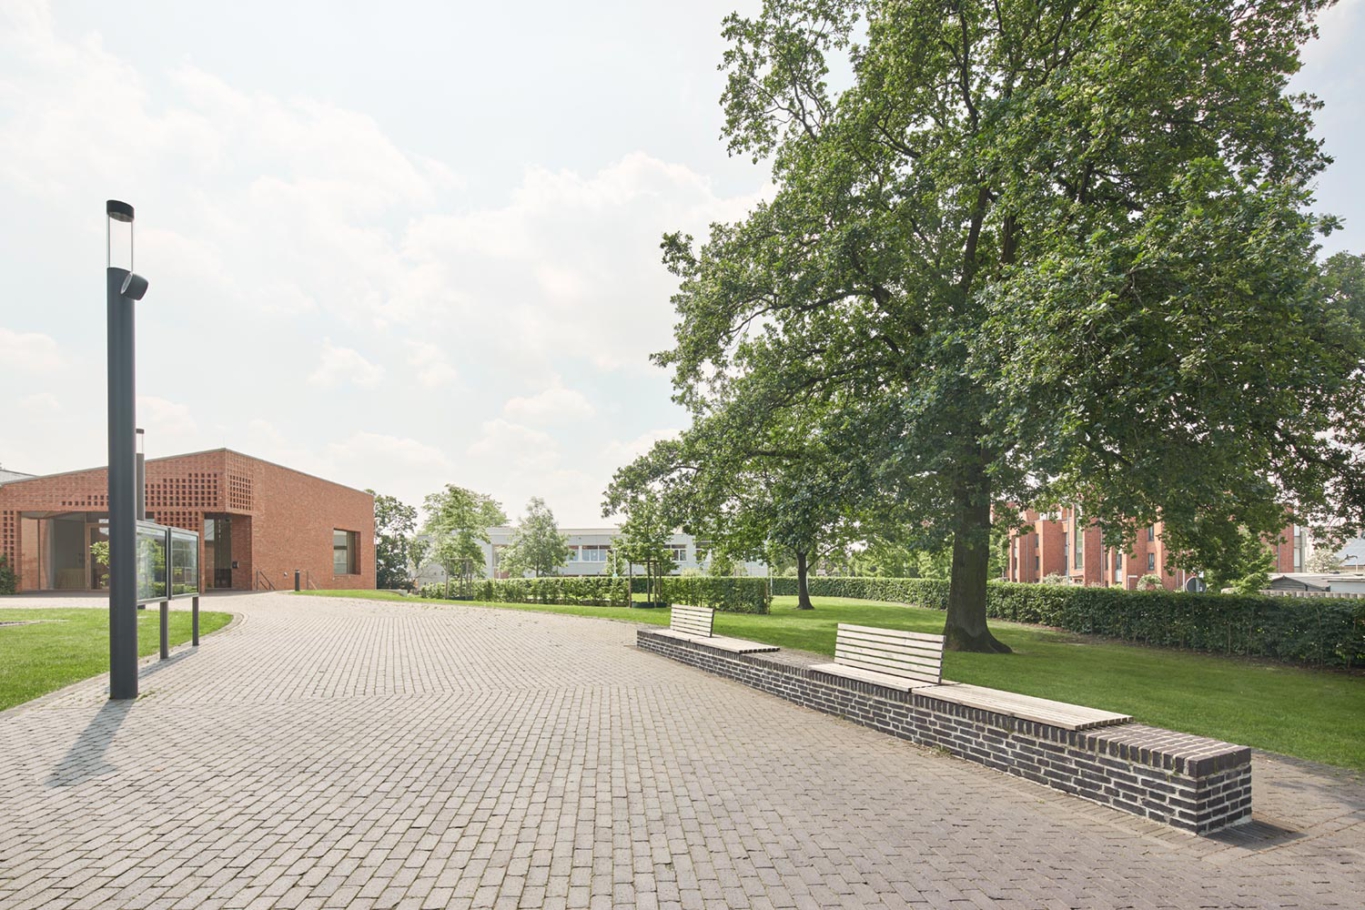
x,y
1179,779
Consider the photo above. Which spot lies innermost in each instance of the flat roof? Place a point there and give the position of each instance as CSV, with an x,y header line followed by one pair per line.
x,y
28,477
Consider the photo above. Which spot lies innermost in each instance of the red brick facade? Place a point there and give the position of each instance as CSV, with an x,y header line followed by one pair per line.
x,y
1050,549
280,519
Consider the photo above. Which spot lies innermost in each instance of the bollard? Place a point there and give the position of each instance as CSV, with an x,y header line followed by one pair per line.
x,y
194,621
296,580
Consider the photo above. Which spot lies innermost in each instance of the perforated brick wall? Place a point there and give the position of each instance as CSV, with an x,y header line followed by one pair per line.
x,y
1186,781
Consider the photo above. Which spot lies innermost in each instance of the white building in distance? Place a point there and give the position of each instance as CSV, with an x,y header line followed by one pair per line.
x,y
588,548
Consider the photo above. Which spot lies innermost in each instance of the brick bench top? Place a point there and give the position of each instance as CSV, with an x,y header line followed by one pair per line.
x,y
1024,707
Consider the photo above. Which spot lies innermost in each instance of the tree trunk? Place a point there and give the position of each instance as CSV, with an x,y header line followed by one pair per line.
x,y
802,588
965,629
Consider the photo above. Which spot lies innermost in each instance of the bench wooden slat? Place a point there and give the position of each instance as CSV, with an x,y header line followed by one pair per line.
x,y
891,633
886,655
922,655
890,681
692,620
1026,707
845,653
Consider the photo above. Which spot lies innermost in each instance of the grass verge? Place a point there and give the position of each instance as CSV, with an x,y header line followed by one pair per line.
x,y
57,647
1313,714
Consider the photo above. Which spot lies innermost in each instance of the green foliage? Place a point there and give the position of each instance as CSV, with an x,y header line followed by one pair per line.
x,y
1318,631
536,546
1247,570
1015,217
9,582
395,523
458,521
728,595
645,536
590,590
722,565
1343,284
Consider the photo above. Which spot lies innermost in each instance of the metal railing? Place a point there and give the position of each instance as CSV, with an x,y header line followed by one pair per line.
x,y
263,583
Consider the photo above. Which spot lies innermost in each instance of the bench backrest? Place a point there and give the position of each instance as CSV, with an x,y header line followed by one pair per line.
x,y
692,620
912,655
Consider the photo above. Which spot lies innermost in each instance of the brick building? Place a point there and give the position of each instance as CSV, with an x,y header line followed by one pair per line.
x,y
258,522
1066,544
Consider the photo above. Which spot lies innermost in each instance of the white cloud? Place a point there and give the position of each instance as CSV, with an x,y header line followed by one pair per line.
x,y
433,370
515,446
155,414
396,453
340,365
623,452
553,405
41,403
29,352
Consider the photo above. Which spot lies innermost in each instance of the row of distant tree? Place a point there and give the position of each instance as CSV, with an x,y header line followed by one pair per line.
x,y
455,533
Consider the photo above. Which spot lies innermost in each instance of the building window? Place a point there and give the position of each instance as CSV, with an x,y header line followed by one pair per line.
x,y
1037,563
1118,560
679,551
1151,532
594,552
345,553
1080,552
1065,548
1151,562
1298,549
573,553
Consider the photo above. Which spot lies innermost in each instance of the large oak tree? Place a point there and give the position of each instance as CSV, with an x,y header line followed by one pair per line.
x,y
1035,251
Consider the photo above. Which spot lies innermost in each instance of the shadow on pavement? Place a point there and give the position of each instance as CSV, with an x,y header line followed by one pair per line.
x,y
85,759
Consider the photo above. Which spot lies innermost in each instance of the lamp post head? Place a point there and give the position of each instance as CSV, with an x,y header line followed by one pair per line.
x,y
117,214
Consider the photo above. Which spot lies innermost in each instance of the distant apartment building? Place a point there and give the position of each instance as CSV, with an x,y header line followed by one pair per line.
x,y
258,523
1064,543
588,549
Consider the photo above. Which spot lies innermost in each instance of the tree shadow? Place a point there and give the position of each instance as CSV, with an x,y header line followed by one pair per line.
x,y
85,759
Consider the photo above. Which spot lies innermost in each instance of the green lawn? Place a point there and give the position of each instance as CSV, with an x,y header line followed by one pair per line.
x,y
62,646
1313,714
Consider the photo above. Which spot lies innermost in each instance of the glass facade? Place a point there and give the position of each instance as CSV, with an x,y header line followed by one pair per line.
x,y
151,563
345,555
184,562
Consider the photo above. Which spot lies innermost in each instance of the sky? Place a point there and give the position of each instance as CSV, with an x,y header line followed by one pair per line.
x,y
396,245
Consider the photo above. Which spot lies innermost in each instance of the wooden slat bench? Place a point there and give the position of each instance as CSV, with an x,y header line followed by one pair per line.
x,y
696,623
1024,707
886,657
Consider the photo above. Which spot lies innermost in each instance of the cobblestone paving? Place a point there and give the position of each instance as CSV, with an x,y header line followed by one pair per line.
x,y
334,753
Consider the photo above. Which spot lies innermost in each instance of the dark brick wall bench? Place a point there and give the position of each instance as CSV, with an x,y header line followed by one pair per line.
x,y
1186,781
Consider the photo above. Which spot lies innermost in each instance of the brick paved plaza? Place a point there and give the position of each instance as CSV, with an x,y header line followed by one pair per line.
x,y
334,753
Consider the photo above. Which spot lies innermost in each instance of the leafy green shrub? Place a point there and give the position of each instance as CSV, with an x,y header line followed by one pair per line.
x,y
1322,631
9,582
727,595
590,591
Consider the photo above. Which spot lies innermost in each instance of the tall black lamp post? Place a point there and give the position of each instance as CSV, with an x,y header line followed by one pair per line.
x,y
124,289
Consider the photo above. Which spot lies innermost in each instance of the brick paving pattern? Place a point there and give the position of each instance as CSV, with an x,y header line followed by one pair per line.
x,y
332,753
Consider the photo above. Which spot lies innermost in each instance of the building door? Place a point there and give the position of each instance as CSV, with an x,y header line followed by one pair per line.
x,y
218,551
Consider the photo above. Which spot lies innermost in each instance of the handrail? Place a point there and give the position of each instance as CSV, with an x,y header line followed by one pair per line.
x,y
261,578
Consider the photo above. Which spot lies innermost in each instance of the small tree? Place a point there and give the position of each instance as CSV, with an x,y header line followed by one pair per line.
x,y
1248,568
644,540
395,523
1324,560
537,546
419,557
458,521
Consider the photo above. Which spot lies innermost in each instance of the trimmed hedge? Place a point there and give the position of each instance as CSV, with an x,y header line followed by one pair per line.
x,y
725,594
589,591
1318,631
